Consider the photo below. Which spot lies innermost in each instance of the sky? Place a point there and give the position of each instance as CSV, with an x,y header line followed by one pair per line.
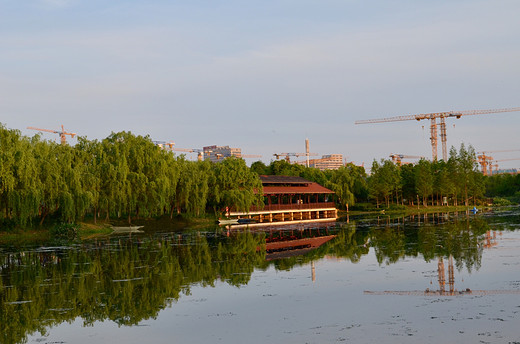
x,y
265,75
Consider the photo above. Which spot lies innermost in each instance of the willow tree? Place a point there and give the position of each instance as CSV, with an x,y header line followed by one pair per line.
x,y
19,185
236,185
342,183
91,173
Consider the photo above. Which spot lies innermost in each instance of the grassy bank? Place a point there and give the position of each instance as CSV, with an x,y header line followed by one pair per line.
x,y
408,210
87,229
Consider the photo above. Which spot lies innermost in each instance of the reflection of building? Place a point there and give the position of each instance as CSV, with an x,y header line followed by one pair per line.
x,y
288,198
327,162
218,153
293,246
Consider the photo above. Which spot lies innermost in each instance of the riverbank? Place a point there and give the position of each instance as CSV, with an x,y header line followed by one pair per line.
x,y
87,229
409,210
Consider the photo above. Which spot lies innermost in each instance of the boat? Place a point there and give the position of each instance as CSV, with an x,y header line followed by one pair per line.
x,y
227,221
127,229
243,221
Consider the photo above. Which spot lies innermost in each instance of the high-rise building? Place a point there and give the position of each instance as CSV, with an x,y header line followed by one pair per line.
x,y
327,162
219,153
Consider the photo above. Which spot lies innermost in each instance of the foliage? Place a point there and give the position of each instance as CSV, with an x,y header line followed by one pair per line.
x,y
67,231
500,201
126,176
429,183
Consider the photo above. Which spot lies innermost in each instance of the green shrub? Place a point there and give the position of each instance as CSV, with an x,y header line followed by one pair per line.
x,y
64,231
499,202
363,207
397,207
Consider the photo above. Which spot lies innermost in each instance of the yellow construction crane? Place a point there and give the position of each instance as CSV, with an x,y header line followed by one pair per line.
x,y
495,163
396,158
307,154
486,161
200,152
61,133
287,156
433,123
165,145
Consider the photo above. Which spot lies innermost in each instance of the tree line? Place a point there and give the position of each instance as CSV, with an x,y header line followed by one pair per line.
x,y
123,175
128,176
454,182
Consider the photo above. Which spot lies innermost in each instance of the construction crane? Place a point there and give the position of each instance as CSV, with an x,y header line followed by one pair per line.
x,y
251,156
200,152
486,161
495,163
433,123
61,133
288,155
396,158
243,156
165,145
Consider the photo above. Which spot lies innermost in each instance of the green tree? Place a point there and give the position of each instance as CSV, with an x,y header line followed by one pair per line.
x,y
424,180
236,185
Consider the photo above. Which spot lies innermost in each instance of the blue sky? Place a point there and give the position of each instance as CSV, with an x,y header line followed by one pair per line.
x,y
264,75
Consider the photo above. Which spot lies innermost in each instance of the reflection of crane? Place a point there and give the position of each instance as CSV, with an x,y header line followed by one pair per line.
x,y
433,124
62,133
489,241
396,158
442,284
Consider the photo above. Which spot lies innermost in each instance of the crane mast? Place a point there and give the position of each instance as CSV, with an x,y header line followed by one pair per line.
x,y
433,123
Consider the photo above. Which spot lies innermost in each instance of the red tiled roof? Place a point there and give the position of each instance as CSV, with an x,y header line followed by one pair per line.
x,y
283,180
312,188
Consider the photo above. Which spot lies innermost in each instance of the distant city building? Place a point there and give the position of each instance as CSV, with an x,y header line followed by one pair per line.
x,y
219,153
508,171
327,162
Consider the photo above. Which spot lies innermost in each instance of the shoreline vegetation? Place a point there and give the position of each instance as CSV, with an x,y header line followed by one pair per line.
x,y
126,180
87,230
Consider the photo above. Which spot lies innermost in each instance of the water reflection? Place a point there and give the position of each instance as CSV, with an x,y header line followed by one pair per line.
x,y
128,279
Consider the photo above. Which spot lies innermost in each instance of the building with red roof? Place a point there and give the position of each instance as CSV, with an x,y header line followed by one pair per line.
x,y
289,198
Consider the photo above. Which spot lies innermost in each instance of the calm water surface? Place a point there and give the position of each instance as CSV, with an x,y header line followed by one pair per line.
x,y
365,285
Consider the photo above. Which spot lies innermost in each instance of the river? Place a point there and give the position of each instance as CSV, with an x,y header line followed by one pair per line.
x,y
437,278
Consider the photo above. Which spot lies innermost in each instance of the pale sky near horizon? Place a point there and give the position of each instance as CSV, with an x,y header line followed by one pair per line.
x,y
265,75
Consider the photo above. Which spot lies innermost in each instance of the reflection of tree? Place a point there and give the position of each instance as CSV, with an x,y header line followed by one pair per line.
x,y
128,280
123,281
459,238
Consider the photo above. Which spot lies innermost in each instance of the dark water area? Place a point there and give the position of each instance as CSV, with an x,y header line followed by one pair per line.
x,y
437,278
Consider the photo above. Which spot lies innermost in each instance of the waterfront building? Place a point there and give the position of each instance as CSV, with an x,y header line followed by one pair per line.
x,y
288,198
